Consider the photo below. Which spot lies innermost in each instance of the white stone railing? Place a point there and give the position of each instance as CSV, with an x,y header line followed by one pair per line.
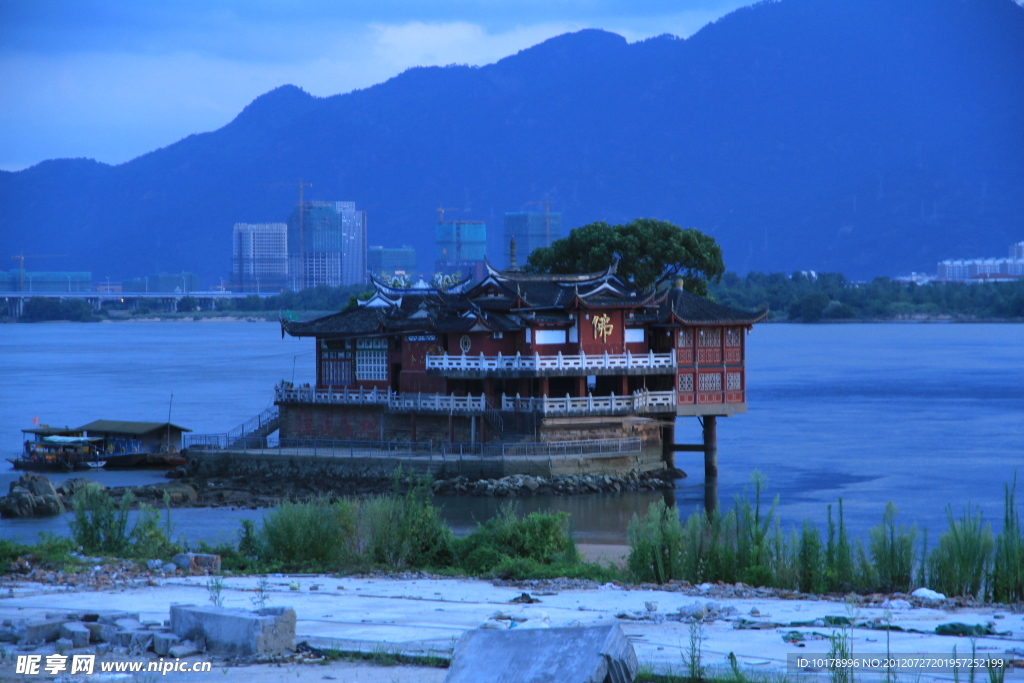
x,y
636,402
603,361
432,402
347,396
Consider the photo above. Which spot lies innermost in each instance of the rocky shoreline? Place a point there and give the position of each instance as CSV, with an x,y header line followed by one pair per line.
x,y
33,495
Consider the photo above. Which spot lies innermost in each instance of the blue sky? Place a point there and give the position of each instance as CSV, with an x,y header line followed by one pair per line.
x,y
113,79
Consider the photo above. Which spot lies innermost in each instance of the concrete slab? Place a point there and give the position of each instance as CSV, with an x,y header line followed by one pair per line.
x,y
595,654
234,631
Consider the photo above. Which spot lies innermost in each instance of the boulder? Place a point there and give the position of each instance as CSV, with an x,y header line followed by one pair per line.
x,y
69,487
32,495
236,631
197,562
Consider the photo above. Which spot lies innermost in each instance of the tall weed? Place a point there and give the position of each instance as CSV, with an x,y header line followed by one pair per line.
x,y
655,541
960,563
810,560
892,550
1008,565
838,555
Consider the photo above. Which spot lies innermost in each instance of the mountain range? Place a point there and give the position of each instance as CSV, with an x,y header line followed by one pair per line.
x,y
869,137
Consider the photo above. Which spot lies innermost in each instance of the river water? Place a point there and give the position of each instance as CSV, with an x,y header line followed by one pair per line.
x,y
924,415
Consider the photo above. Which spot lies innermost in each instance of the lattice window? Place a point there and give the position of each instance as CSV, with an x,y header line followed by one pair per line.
x,y
685,339
733,381
711,337
732,337
711,381
336,372
685,383
372,359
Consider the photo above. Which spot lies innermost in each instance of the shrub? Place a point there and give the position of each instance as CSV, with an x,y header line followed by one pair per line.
x,y
405,531
101,526
892,551
1008,567
960,562
515,546
315,534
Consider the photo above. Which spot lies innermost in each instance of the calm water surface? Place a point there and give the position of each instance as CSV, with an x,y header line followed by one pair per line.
x,y
924,415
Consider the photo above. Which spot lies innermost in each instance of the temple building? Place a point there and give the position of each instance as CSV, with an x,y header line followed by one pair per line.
x,y
520,358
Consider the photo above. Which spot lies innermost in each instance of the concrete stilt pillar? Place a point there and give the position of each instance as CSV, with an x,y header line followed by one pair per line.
x,y
412,427
710,463
668,441
710,447
710,495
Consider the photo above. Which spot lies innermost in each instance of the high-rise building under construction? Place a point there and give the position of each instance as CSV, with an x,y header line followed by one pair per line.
x,y
326,245
531,230
259,257
461,247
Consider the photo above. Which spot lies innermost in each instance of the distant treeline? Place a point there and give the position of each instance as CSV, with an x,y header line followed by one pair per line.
x,y
830,296
319,298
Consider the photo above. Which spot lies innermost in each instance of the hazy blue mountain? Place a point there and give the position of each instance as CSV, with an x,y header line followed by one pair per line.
x,y
864,136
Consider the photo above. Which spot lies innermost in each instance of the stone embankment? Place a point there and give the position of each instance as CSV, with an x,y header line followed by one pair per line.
x,y
33,495
572,484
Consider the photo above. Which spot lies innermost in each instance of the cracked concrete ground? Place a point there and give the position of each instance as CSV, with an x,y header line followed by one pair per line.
x,y
424,617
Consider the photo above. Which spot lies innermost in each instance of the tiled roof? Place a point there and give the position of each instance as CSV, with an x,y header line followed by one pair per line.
x,y
545,300
693,309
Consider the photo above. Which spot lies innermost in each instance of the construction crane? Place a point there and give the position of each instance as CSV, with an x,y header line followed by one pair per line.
x,y
441,210
547,219
302,227
21,265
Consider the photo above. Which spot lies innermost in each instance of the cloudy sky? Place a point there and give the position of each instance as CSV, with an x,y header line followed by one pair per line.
x,y
113,79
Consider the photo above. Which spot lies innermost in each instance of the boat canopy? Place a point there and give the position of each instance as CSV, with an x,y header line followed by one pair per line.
x,y
72,439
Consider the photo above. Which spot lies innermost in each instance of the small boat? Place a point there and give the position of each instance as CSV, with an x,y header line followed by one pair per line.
x,y
113,444
61,452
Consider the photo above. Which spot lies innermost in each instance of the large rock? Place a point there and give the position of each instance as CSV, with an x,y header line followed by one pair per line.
x,y
31,496
69,487
236,631
178,493
596,654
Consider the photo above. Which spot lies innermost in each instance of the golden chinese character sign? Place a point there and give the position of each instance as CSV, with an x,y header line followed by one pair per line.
x,y
602,327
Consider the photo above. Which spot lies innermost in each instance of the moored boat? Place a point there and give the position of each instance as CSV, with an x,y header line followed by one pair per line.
x,y
59,450
113,444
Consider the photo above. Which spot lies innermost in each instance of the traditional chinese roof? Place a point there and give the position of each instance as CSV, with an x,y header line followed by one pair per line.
x,y
509,301
683,307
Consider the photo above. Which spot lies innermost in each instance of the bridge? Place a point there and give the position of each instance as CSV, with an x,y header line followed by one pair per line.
x,y
167,301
